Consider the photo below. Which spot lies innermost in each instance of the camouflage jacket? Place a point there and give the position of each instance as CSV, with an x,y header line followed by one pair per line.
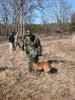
x,y
32,46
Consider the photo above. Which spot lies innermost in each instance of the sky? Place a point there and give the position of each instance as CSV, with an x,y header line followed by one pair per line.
x,y
38,17
72,3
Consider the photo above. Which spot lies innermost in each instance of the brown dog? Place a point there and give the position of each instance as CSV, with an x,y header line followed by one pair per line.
x,y
42,65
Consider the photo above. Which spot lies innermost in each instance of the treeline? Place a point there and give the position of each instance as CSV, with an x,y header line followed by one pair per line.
x,y
19,15
46,29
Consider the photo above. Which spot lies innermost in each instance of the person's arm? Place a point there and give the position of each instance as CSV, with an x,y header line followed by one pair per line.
x,y
39,47
24,47
9,39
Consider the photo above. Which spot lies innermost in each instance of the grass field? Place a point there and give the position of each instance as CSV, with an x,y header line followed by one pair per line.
x,y
16,83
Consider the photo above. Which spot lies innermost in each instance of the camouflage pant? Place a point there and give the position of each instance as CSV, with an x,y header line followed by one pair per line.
x,y
30,63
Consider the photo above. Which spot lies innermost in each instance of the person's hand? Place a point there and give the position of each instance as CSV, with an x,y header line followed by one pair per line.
x,y
40,54
29,56
32,57
27,52
23,48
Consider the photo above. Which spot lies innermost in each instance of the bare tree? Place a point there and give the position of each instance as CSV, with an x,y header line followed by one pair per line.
x,y
19,12
44,24
23,11
28,8
4,14
60,11
73,18
72,25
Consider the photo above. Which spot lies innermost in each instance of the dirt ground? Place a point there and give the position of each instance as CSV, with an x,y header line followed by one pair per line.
x,y
16,83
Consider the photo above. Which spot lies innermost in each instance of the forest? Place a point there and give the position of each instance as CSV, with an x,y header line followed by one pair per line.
x,y
51,17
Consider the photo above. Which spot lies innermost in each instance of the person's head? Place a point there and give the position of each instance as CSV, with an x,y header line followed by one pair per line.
x,y
10,33
28,33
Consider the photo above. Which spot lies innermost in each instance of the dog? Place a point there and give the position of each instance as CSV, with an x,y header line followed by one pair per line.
x,y
42,66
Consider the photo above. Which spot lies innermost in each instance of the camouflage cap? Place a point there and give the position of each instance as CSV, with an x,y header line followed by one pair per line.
x,y
28,32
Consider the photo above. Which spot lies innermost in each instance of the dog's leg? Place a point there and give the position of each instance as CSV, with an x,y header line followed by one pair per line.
x,y
35,70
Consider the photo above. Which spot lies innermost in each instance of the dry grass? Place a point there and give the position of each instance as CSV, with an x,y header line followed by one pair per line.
x,y
16,83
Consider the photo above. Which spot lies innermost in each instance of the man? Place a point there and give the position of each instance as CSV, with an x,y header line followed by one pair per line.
x,y
32,47
16,39
11,42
